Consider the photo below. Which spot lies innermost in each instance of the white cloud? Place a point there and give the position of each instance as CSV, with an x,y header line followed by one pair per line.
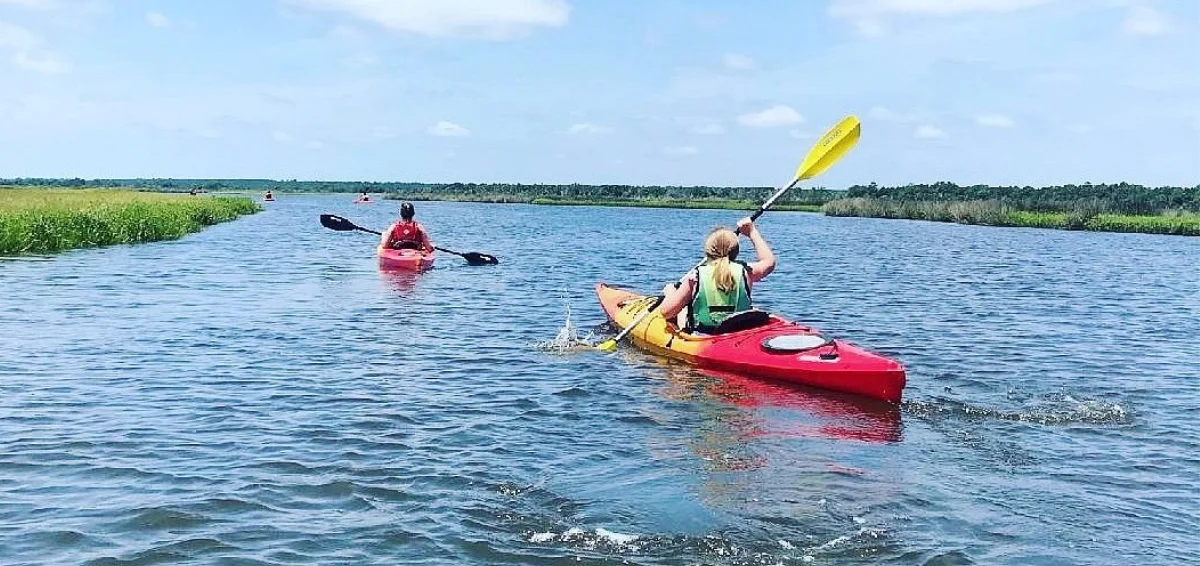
x,y
31,4
65,10
928,133
586,129
681,150
281,137
870,16
870,27
45,62
345,32
736,62
157,19
994,121
449,130
1144,20
27,52
710,129
494,19
17,37
772,117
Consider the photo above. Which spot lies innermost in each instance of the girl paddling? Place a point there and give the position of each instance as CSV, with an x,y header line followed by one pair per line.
x,y
720,287
407,233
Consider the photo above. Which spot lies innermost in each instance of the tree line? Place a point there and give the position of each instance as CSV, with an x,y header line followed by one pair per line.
x,y
1123,198
518,192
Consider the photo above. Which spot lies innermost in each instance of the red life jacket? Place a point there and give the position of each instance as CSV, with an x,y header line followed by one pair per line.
x,y
406,235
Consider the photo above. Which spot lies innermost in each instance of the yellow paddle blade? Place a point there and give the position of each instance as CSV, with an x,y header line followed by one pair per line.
x,y
607,345
830,148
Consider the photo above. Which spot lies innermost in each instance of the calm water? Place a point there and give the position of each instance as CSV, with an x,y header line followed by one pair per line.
x,y
259,393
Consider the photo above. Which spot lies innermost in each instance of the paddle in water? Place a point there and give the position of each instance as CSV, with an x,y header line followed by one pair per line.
x,y
827,151
334,222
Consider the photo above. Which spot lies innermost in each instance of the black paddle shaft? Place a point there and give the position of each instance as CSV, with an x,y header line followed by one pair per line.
x,y
771,201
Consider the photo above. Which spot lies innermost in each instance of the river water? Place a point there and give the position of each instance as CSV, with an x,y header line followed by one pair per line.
x,y
259,393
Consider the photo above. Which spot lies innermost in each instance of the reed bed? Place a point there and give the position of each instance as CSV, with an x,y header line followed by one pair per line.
x,y
1083,215
42,220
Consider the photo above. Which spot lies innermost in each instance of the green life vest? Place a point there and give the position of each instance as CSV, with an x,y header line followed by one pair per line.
x,y
710,306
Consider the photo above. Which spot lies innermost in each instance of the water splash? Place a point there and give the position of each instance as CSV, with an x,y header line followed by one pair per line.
x,y
600,538
568,338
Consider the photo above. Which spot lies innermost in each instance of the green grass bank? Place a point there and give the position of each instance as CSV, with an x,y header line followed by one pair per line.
x,y
41,220
1084,215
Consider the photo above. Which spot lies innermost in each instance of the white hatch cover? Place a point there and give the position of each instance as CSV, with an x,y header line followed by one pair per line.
x,y
794,342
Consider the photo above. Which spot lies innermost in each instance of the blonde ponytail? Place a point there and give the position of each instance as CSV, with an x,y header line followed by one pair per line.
x,y
721,247
722,274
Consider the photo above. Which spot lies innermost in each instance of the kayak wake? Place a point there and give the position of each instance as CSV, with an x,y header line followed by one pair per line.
x,y
1055,409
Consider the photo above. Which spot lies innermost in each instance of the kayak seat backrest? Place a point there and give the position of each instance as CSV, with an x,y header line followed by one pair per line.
x,y
744,320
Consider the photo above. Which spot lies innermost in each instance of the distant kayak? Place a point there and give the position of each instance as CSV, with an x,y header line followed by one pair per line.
x,y
768,346
363,201
407,260
268,199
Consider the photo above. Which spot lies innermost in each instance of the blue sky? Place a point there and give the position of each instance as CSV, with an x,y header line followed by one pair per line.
x,y
601,91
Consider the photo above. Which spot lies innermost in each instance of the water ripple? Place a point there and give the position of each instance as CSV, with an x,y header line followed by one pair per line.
x,y
259,393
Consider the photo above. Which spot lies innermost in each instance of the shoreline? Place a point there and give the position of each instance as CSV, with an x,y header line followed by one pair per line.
x,y
1095,208
709,204
679,204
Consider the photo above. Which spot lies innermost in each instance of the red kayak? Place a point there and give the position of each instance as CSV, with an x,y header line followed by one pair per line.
x,y
408,260
759,344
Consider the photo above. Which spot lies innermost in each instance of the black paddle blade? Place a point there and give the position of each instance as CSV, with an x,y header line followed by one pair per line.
x,y
337,223
334,222
475,258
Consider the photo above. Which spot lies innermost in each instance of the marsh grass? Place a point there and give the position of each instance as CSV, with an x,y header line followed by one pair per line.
x,y
1083,215
41,220
1179,225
